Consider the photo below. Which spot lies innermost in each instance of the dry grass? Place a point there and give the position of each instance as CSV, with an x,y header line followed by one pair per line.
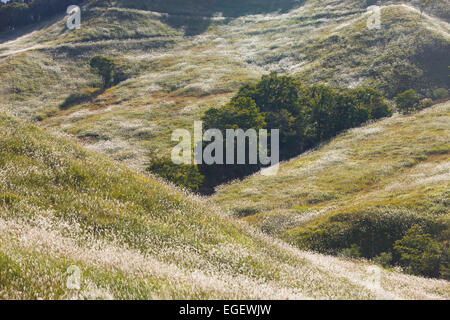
x,y
177,78
134,237
401,163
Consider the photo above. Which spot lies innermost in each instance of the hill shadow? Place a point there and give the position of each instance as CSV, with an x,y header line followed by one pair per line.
x,y
195,16
12,35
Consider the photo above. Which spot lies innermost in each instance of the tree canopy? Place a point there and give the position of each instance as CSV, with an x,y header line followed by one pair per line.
x,y
305,116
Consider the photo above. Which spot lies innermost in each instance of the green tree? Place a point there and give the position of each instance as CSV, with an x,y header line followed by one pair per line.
x,y
105,67
304,116
274,93
353,252
407,101
419,253
319,104
440,93
373,101
240,113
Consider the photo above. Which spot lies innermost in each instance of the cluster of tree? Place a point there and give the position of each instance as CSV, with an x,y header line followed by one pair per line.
x,y
419,244
18,13
304,116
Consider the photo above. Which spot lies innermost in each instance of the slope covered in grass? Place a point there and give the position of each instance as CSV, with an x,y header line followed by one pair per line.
x,y
365,188
134,237
174,78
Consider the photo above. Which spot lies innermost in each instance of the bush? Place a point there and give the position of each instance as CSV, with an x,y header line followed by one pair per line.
x,y
419,253
373,231
186,176
353,252
384,259
105,67
407,101
440,93
426,103
445,265
418,244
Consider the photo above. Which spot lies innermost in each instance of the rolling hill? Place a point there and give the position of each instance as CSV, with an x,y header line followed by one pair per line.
x,y
135,237
355,189
173,77
74,192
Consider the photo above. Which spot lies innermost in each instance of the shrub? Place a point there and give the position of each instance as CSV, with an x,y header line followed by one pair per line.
x,y
385,259
183,175
373,231
105,67
440,93
353,252
419,253
445,265
407,101
426,103
122,72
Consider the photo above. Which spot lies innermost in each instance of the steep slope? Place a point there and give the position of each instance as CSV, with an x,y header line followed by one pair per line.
x,y
174,78
134,237
366,187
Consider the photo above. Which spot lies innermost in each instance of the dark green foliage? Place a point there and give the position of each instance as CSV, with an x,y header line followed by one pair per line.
x,y
440,93
445,264
416,243
385,259
274,93
240,113
353,252
419,253
186,176
122,72
373,232
105,67
74,99
407,101
305,116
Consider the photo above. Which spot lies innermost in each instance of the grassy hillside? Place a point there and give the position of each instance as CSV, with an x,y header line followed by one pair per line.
x,y
174,78
391,174
134,237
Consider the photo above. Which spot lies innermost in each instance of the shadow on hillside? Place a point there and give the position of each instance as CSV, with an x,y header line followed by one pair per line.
x,y
12,35
195,16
